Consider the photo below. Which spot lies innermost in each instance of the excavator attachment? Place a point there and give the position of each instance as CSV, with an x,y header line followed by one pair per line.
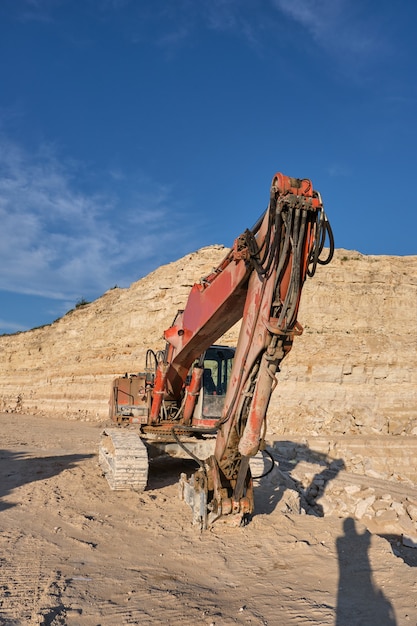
x,y
213,498
194,492
210,501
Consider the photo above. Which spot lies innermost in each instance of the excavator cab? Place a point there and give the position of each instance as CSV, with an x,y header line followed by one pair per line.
x,y
217,363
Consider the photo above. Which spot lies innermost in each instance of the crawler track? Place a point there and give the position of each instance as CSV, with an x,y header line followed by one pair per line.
x,y
123,457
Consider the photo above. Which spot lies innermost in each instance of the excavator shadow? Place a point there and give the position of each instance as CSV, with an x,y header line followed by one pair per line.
x,y
277,484
165,471
20,468
408,555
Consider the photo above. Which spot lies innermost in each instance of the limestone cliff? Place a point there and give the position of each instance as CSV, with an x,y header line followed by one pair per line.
x,y
353,370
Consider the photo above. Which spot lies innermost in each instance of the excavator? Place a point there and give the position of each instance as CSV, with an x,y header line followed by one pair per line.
x,y
209,402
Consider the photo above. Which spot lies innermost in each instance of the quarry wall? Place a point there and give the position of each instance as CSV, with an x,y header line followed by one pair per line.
x,y
353,371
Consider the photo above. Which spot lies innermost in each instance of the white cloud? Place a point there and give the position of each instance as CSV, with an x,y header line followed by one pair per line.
x,y
11,327
335,25
350,33
175,25
246,17
61,242
317,16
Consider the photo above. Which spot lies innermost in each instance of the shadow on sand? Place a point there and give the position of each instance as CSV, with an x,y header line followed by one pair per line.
x,y
279,481
20,468
165,471
408,555
359,600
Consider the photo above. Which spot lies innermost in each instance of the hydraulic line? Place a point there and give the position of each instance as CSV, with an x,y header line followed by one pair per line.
x,y
323,228
151,356
269,470
192,429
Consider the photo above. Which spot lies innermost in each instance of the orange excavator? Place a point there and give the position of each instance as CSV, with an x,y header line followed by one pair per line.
x,y
209,402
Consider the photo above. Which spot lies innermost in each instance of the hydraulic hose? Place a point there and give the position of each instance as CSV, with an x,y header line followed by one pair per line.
x,y
323,229
205,431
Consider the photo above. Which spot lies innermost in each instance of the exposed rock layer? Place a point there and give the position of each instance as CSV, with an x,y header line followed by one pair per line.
x,y
354,370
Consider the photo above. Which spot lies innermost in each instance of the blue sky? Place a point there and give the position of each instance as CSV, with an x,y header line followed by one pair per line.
x,y
135,131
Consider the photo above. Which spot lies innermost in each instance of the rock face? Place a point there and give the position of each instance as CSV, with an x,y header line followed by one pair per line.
x,y
354,370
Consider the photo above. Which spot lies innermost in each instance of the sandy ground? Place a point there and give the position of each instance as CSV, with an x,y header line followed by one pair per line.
x,y
73,552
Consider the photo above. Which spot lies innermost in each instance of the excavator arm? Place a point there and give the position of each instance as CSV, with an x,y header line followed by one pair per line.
x,y
259,281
